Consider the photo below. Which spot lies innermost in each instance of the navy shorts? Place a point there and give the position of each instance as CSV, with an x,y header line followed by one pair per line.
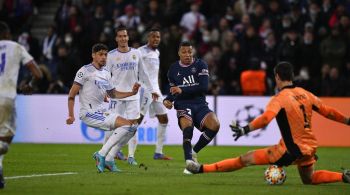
x,y
197,113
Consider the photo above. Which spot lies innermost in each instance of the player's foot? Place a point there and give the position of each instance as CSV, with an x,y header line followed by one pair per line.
x,y
187,172
2,180
111,166
192,166
194,157
346,176
120,156
159,156
132,161
100,162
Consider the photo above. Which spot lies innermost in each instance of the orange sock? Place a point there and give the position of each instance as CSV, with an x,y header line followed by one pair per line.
x,y
323,176
231,164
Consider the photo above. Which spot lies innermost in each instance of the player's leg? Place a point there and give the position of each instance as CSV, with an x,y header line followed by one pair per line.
x,y
7,131
132,112
309,176
209,125
186,125
158,109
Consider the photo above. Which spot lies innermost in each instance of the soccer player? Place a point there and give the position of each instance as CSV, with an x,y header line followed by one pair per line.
x,y
292,107
126,65
189,79
150,55
12,55
92,82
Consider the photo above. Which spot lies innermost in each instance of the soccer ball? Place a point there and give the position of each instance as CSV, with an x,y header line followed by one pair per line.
x,y
275,175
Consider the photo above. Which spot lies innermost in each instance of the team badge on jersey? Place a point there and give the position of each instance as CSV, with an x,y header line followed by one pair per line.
x,y
80,74
193,70
117,59
134,57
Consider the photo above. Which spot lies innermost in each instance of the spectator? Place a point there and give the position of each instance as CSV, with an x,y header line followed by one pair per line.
x,y
191,22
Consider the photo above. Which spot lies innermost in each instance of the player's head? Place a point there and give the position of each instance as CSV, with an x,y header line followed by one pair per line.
x,y
153,38
99,54
186,52
121,36
283,73
4,31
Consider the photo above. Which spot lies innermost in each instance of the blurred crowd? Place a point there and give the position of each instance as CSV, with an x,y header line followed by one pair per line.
x,y
241,40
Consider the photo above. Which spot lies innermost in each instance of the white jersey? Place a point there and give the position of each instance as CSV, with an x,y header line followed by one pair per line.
x,y
126,69
151,60
94,84
12,55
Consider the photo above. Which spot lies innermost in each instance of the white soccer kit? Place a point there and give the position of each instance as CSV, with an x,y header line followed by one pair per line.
x,y
151,60
94,84
126,69
12,55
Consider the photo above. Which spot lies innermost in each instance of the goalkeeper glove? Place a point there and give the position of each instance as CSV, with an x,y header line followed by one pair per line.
x,y
239,131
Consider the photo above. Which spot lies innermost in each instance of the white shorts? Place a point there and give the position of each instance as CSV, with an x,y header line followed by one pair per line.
x,y
129,109
154,107
7,117
104,120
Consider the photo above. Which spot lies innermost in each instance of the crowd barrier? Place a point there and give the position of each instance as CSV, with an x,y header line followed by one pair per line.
x,y
41,119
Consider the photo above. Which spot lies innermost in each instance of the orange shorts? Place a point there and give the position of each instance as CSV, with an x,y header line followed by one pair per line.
x,y
278,154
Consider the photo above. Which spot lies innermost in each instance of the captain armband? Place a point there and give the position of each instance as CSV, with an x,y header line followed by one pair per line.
x,y
71,98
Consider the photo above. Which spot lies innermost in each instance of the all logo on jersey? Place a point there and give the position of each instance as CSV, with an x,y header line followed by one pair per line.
x,y
189,80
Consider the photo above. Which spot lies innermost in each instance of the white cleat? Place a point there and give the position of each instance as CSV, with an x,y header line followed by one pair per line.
x,y
187,172
192,166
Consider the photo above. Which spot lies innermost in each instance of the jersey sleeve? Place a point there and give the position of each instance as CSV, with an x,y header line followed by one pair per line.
x,y
109,64
80,77
203,80
143,73
24,55
326,111
171,80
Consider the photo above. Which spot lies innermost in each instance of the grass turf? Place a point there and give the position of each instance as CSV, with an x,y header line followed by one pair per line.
x,y
161,177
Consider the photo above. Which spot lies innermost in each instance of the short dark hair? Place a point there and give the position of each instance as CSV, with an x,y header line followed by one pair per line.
x,y
185,44
98,47
4,28
285,71
154,29
120,28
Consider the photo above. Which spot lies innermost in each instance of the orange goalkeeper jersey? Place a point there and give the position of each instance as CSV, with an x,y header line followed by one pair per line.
x,y
293,107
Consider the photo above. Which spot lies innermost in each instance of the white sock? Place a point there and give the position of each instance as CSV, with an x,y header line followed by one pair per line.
x,y
121,142
132,145
1,158
107,135
113,139
161,130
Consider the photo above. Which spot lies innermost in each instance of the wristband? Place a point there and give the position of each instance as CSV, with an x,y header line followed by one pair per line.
x,y
246,129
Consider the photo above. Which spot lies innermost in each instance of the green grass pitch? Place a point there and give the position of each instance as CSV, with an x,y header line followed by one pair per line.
x,y
161,177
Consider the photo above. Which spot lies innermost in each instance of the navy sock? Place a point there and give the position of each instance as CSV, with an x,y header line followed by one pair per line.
x,y
187,147
204,139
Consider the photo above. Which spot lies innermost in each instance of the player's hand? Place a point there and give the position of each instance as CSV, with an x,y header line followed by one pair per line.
x,y
175,90
155,96
168,104
70,120
106,98
27,89
136,88
237,130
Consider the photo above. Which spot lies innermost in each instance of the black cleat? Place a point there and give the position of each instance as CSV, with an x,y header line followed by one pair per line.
x,y
346,176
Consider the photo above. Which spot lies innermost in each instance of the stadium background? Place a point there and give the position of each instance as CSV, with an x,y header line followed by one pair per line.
x,y
233,36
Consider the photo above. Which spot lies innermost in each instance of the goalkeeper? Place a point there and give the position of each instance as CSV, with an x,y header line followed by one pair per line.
x,y
292,107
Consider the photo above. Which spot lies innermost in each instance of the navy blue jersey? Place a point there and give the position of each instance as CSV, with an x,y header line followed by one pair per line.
x,y
193,81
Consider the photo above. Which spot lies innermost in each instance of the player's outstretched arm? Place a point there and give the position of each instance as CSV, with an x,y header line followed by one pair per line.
x,y
331,113
118,94
71,97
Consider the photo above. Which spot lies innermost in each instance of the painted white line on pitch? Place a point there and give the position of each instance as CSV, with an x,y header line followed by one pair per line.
x,y
41,175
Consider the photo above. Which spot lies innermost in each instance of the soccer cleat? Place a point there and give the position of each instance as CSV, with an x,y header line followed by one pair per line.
x,y
187,172
2,180
192,166
120,156
132,161
159,156
111,166
100,162
346,176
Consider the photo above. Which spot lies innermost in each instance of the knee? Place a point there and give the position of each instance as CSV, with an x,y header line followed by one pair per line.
x,y
4,147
